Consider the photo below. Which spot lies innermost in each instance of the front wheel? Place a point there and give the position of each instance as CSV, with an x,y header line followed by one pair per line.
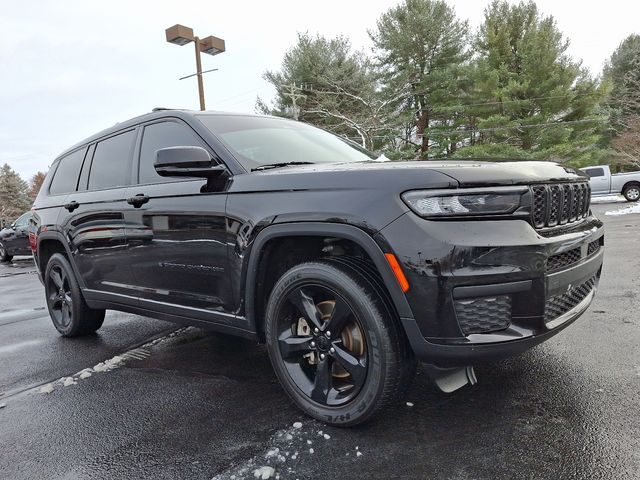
x,y
4,256
334,342
632,193
68,310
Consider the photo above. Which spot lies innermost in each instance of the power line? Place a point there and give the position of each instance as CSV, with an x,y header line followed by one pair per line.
x,y
494,129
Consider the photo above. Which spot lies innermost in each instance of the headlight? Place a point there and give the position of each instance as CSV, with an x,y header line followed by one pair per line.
x,y
464,202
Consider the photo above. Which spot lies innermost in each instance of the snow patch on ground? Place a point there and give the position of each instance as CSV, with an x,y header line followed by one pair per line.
x,y
117,361
608,199
285,451
264,472
625,211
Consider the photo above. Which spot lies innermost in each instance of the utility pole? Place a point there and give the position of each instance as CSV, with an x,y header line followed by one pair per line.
x,y
291,91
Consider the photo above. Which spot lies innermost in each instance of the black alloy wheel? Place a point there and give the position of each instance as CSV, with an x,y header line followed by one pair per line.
x,y
322,344
335,343
68,310
59,298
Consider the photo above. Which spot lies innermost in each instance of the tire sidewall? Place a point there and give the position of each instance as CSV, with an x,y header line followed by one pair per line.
x,y
368,314
75,324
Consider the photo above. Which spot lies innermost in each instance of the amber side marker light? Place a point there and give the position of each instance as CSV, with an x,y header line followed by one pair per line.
x,y
397,271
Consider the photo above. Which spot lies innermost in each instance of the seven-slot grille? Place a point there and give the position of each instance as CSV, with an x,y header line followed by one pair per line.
x,y
559,203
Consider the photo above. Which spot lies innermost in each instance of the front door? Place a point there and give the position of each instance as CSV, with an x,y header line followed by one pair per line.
x,y
177,235
598,181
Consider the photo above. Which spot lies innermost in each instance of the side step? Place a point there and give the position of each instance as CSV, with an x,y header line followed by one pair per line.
x,y
451,379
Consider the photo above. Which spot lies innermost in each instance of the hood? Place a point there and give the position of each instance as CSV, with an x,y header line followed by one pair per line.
x,y
403,175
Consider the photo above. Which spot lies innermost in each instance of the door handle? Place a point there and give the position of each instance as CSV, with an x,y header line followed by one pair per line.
x,y
138,200
71,206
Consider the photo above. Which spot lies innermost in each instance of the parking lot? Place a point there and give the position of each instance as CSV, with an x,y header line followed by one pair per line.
x,y
161,401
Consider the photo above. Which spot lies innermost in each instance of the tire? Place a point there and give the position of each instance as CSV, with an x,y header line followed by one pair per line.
x,y
4,256
341,377
67,308
632,193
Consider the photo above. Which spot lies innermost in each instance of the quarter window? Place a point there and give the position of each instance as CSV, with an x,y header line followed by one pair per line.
x,y
111,162
162,135
65,178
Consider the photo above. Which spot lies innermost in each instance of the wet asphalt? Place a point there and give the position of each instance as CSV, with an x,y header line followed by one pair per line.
x,y
186,403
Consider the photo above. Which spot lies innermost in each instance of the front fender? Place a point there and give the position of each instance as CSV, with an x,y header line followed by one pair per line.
x,y
347,232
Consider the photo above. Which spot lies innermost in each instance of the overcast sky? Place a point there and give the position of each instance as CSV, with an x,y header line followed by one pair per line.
x,y
72,68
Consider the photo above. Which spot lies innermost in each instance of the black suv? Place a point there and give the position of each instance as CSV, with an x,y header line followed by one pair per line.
x,y
348,266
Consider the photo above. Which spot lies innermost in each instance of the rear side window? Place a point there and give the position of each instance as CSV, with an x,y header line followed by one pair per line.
x,y
65,178
162,135
111,162
595,172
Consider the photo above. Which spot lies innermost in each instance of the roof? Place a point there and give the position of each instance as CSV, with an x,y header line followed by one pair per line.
x,y
159,112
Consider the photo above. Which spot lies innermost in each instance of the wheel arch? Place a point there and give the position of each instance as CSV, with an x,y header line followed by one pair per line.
x,y
51,242
631,183
311,229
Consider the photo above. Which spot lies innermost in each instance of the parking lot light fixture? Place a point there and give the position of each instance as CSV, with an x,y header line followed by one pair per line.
x,y
181,35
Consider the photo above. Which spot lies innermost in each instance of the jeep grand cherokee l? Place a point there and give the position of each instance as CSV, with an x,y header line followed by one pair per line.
x,y
348,267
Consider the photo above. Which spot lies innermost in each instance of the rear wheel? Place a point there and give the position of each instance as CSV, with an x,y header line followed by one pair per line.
x,y
334,342
68,310
632,193
4,256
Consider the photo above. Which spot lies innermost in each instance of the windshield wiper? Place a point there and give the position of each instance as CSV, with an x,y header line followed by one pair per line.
x,y
267,166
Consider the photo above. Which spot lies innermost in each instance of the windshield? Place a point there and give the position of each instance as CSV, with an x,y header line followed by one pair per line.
x,y
257,141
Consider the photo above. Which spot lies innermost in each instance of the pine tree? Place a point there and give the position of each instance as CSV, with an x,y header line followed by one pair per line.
x,y
534,101
14,200
421,50
321,81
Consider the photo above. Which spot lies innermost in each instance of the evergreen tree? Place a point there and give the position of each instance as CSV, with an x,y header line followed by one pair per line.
x,y
421,50
533,100
321,81
14,200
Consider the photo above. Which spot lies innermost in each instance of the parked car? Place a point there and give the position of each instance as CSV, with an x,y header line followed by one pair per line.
x,y
603,182
348,267
14,239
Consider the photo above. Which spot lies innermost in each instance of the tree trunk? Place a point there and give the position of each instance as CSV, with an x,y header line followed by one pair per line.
x,y
421,125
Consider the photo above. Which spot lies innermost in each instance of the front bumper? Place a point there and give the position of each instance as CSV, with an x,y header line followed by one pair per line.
x,y
484,290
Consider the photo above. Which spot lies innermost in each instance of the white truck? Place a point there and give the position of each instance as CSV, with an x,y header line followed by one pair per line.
x,y
602,182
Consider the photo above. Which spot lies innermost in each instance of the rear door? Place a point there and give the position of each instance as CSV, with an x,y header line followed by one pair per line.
x,y
92,218
598,180
178,235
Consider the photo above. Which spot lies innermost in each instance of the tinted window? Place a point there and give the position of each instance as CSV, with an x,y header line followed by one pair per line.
x,y
111,162
66,176
595,172
23,220
162,135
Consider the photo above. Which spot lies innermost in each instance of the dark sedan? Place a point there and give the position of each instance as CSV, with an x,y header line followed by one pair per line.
x,y
14,239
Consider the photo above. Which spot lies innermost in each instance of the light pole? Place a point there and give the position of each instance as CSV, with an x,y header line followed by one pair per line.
x,y
181,35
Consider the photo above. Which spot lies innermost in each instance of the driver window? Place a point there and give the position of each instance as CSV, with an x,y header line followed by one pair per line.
x,y
162,135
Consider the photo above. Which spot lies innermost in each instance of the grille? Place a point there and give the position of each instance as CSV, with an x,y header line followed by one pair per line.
x,y
593,247
564,259
559,204
560,304
483,315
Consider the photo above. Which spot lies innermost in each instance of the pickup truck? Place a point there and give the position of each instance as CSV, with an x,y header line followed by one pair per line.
x,y
602,182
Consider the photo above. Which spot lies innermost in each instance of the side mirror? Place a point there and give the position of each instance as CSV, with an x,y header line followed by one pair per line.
x,y
186,162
